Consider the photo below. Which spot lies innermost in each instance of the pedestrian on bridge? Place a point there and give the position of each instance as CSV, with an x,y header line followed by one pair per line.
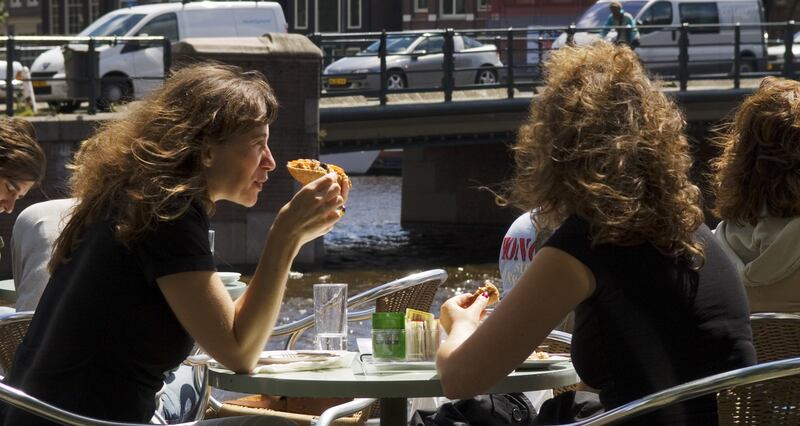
x,y
624,25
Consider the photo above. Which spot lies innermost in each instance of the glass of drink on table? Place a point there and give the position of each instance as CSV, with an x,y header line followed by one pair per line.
x,y
330,316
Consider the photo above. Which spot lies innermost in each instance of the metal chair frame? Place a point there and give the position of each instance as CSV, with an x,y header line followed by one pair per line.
x,y
686,391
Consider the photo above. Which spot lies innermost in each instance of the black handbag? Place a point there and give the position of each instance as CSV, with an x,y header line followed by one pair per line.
x,y
494,409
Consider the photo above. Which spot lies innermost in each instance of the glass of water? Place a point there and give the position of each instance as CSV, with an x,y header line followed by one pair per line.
x,y
330,316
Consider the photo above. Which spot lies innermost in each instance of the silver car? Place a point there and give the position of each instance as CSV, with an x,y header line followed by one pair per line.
x,y
415,61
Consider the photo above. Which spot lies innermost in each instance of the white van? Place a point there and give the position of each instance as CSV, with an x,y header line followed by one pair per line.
x,y
123,64
710,49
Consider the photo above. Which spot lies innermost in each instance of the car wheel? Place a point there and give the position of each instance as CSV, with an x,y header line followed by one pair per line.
x,y
64,107
114,89
486,76
747,65
395,80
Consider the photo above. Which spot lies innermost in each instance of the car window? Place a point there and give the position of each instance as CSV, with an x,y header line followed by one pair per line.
x,y
117,25
432,45
165,25
659,13
393,45
597,15
700,14
470,43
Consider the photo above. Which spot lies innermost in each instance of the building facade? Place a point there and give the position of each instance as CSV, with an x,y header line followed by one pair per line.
x,y
58,17
478,14
342,16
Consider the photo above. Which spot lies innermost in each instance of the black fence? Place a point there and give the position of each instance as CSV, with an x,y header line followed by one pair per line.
x,y
379,64
82,72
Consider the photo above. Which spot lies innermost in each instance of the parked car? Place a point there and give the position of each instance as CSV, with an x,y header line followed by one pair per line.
x,y
710,48
775,53
132,70
415,60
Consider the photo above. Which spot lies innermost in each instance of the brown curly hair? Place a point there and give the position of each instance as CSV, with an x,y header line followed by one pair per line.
x,y
603,143
147,167
758,172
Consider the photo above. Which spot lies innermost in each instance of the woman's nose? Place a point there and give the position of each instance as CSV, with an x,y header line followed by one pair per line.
x,y
8,205
267,161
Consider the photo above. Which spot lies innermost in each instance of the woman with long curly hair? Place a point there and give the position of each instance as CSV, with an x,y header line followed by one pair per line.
x,y
134,284
757,183
604,161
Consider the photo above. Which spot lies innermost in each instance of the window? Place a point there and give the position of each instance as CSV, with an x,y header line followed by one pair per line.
x,y
483,5
471,43
700,14
301,14
658,14
75,17
420,5
453,7
165,25
16,3
56,18
431,45
354,14
33,3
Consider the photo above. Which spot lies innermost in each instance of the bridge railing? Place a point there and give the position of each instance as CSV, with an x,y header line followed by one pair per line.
x,y
446,61
88,80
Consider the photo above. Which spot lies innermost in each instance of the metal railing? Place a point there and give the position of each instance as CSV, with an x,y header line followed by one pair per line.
x,y
729,52
15,46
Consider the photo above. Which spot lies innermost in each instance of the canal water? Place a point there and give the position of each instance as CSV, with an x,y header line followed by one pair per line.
x,y
369,247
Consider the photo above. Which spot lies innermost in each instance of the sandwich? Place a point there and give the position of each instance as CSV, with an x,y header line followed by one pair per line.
x,y
304,171
487,287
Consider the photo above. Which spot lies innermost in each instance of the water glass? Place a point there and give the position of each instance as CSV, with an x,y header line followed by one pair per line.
x,y
330,316
211,236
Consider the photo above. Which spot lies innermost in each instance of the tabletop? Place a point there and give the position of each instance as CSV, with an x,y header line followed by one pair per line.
x,y
353,382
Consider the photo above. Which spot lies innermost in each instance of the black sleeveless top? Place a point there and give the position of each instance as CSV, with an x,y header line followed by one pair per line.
x,y
653,322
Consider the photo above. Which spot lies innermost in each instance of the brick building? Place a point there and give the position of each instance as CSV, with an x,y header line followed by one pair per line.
x,y
340,16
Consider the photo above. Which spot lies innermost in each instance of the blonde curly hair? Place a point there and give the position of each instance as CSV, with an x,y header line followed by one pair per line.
x,y
758,172
146,167
603,142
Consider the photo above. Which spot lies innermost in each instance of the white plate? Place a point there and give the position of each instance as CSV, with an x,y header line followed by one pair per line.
x,y
383,366
532,364
229,277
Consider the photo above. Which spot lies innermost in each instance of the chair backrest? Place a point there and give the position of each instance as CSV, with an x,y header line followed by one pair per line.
x,y
752,375
12,330
776,336
412,291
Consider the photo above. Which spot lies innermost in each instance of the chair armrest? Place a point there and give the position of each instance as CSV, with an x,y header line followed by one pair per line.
x,y
22,400
331,414
695,388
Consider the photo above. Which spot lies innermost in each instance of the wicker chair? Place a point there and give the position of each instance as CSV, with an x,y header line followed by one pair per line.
x,y
414,291
12,329
775,336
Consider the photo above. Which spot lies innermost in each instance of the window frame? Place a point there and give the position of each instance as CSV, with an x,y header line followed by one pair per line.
x,y
174,17
417,8
482,5
453,15
653,6
350,25
297,25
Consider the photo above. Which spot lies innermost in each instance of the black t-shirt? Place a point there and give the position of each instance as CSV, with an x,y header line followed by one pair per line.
x,y
653,322
103,334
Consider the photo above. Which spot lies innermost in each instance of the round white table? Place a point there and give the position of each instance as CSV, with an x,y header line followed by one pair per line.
x,y
392,388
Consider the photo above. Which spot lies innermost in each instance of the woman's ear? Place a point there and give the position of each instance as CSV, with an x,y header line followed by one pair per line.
x,y
207,157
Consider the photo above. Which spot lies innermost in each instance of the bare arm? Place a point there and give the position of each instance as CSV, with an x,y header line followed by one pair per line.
x,y
235,333
552,286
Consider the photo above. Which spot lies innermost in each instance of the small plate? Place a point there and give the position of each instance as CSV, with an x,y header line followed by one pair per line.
x,y
533,364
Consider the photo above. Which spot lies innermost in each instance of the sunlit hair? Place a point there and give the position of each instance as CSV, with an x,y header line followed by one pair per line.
x,y
758,172
605,144
146,167
21,157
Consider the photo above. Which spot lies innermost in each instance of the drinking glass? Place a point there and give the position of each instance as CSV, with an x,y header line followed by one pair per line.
x,y
211,236
330,316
